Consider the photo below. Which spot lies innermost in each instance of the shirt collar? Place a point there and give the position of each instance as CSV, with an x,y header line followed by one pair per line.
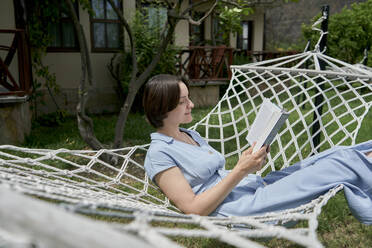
x,y
160,136
166,138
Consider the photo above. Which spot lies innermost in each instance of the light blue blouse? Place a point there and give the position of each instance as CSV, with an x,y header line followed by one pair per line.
x,y
199,164
203,167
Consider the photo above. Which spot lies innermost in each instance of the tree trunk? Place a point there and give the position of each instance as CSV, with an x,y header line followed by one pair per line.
x,y
114,70
135,85
85,124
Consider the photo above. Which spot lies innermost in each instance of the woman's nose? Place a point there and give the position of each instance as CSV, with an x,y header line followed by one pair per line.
x,y
191,104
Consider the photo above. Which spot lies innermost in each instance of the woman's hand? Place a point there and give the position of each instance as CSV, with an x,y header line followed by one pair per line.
x,y
251,162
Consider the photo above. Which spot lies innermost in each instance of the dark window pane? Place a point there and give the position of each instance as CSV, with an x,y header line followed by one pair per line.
x,y
152,16
113,35
64,11
162,17
245,44
99,35
56,36
244,40
111,15
68,35
157,17
106,26
217,31
196,31
63,32
245,30
99,9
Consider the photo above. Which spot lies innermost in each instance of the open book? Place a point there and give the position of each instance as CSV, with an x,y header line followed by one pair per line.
x,y
267,124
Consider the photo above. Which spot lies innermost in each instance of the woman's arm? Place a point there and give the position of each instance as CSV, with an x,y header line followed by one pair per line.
x,y
177,189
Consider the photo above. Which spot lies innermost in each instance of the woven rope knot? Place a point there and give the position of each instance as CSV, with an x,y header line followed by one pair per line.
x,y
67,173
51,155
29,161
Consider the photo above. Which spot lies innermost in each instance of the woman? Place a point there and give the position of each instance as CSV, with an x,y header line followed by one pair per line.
x,y
191,174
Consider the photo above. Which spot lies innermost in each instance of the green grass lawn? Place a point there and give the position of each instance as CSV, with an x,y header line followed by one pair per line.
x,y
337,227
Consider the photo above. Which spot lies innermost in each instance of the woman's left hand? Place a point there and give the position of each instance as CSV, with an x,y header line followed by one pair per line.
x,y
251,162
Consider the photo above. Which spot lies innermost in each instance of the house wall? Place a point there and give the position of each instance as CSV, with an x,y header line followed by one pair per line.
x,y
67,65
258,30
182,30
15,115
7,21
102,94
67,68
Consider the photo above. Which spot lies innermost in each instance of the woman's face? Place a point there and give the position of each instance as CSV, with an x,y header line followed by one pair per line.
x,y
182,113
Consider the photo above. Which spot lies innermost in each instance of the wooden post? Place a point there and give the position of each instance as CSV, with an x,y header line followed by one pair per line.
x,y
319,98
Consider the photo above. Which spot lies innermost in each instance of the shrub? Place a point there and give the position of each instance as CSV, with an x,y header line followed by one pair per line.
x,y
349,33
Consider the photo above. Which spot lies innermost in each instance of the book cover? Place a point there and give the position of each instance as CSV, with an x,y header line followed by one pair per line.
x,y
270,118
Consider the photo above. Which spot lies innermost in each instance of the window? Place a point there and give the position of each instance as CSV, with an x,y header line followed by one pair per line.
x,y
106,30
244,40
156,16
63,32
196,31
218,32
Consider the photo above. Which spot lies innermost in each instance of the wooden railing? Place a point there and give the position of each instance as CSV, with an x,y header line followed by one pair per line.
x,y
212,63
8,83
205,63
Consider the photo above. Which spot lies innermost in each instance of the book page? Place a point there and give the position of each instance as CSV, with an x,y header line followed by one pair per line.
x,y
263,117
266,130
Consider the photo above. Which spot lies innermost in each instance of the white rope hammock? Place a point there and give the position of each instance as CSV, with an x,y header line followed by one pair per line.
x,y
82,182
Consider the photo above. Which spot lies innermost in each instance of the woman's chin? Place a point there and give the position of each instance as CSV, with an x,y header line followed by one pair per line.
x,y
188,120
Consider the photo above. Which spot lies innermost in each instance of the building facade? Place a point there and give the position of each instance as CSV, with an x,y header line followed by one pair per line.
x,y
104,38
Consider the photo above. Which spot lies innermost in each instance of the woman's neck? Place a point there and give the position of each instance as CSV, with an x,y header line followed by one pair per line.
x,y
177,134
170,131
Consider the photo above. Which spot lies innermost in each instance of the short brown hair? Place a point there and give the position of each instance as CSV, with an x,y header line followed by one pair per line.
x,y
161,95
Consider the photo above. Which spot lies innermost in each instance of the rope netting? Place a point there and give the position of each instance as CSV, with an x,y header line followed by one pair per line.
x,y
346,98
83,182
121,194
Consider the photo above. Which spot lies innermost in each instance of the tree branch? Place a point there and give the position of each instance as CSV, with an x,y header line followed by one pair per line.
x,y
231,3
191,21
169,4
194,5
131,37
